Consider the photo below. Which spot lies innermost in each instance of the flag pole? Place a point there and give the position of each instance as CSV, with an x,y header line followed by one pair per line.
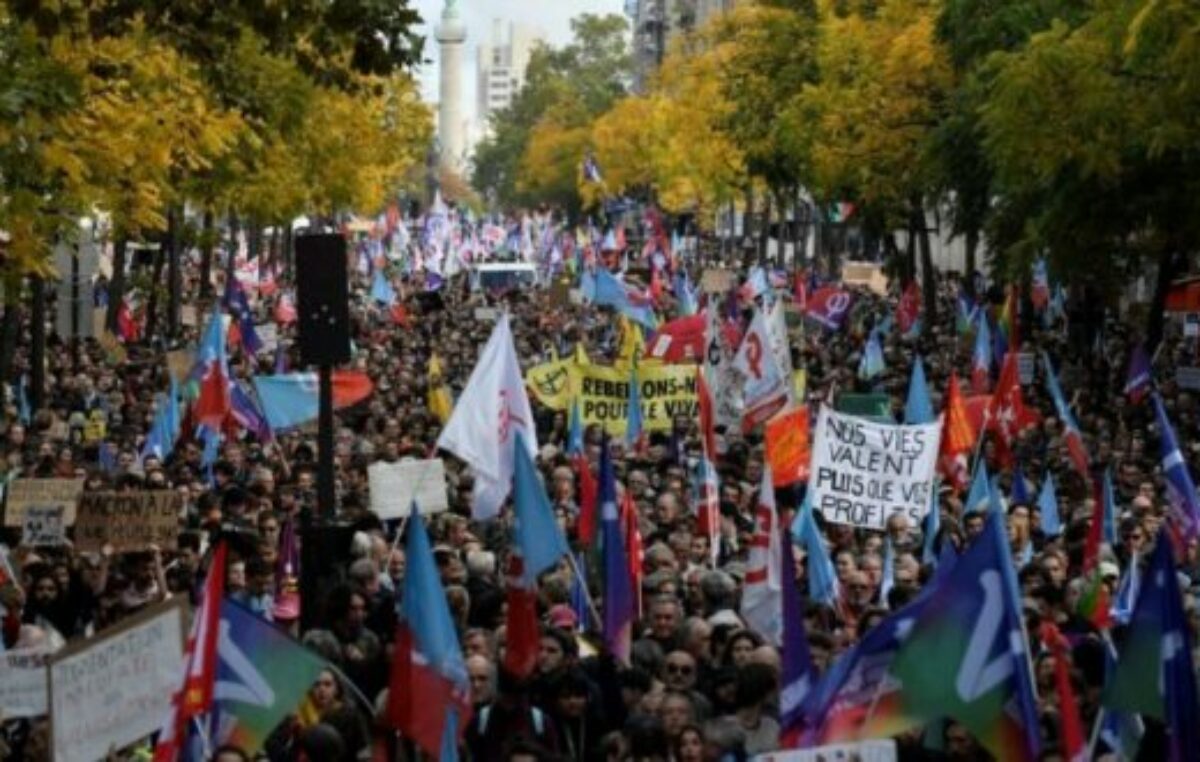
x,y
586,593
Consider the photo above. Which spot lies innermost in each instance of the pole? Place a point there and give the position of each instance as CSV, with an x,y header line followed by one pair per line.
x,y
37,347
326,495
75,311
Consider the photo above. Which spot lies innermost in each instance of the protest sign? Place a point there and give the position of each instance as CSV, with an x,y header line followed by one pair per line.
x,y
717,281
43,526
1187,377
179,364
43,493
188,316
876,750
788,450
486,314
867,275
863,472
394,487
107,692
666,391
268,334
128,521
96,427
23,682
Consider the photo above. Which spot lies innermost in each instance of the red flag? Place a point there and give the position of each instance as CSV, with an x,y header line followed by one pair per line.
x,y
633,545
656,286
521,623
1006,415
908,309
127,324
1071,726
588,491
800,293
214,402
195,696
708,433
958,438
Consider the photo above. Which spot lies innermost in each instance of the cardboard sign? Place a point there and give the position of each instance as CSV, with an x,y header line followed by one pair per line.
x,y
128,521
110,691
179,364
42,493
866,274
395,486
188,317
486,314
788,446
717,281
1188,377
1026,365
876,750
268,334
863,472
23,683
43,526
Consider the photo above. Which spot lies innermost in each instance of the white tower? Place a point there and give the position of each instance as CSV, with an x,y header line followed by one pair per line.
x,y
451,34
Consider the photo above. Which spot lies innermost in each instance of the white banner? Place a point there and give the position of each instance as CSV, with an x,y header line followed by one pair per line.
x,y
863,472
108,692
23,683
882,750
394,487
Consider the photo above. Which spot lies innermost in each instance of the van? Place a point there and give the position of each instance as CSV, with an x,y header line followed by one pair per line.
x,y
503,276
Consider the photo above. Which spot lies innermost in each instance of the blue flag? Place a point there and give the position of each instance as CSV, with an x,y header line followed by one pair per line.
x,y
799,674
579,599
620,607
872,363
575,429
1110,509
918,409
822,577
980,495
932,523
239,306
381,289
1048,505
1020,487
605,289
537,533
1180,488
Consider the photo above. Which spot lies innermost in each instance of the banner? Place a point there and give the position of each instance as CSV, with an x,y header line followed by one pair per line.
x,y
128,521
876,750
666,391
788,447
42,493
43,526
23,683
863,472
112,690
550,383
394,487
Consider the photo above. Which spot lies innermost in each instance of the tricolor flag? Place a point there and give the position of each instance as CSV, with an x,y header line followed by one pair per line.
x,y
213,404
239,305
429,695
292,399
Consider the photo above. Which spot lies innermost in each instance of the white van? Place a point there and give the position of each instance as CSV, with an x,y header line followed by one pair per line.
x,y
503,276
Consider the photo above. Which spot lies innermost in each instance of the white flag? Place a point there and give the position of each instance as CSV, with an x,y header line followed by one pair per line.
x,y
766,390
778,333
762,598
482,429
720,374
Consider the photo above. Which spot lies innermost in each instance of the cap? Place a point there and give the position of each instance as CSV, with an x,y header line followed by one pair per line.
x,y
561,616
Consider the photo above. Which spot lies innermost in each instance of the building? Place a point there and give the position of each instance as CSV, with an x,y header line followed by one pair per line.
x,y
656,24
500,68
451,35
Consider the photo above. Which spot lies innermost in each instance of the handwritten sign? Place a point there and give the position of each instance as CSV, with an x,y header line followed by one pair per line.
x,y
128,521
23,683
43,526
717,281
113,690
394,487
863,472
42,493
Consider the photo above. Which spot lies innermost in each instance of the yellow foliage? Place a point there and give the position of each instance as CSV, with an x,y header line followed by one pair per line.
x,y
550,166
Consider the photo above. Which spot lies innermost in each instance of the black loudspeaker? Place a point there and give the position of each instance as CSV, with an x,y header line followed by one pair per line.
x,y
324,559
323,299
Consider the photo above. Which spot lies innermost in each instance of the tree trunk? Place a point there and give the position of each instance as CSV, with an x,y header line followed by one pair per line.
x,y
206,254
1168,265
273,251
160,257
929,276
908,268
764,233
231,254
10,326
289,241
175,271
116,287
971,264
37,344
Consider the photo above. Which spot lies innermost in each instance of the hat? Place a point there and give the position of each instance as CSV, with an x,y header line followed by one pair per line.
x,y
561,616
1109,569
287,605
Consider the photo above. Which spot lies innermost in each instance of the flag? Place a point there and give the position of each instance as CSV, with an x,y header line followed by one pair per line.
x,y
536,531
679,341
127,324
1121,732
888,579
966,312
930,527
604,289
918,409
762,593
684,294
292,399
981,358
1047,503
708,431
798,673
958,438
635,549
1127,591
579,595
1155,675
213,404
980,496
908,309
1039,292
619,604
382,290
822,577
239,305
1181,491
984,680
197,686
1071,736
491,410
586,525
262,676
708,506
438,394
245,411
872,363
1137,380
1093,602
1006,414
829,306
766,390
788,448
429,693
285,309
634,435
1071,431
159,442
1110,509
1008,321
1020,487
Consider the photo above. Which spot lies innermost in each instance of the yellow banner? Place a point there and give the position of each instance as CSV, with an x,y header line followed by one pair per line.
x,y
550,383
666,391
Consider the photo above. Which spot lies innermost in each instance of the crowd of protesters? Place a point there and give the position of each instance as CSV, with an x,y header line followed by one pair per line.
x,y
700,685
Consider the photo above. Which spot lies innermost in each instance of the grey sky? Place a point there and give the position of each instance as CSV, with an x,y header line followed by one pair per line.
x,y
552,17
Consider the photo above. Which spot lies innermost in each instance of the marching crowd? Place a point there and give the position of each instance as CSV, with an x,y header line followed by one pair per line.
x,y
699,684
